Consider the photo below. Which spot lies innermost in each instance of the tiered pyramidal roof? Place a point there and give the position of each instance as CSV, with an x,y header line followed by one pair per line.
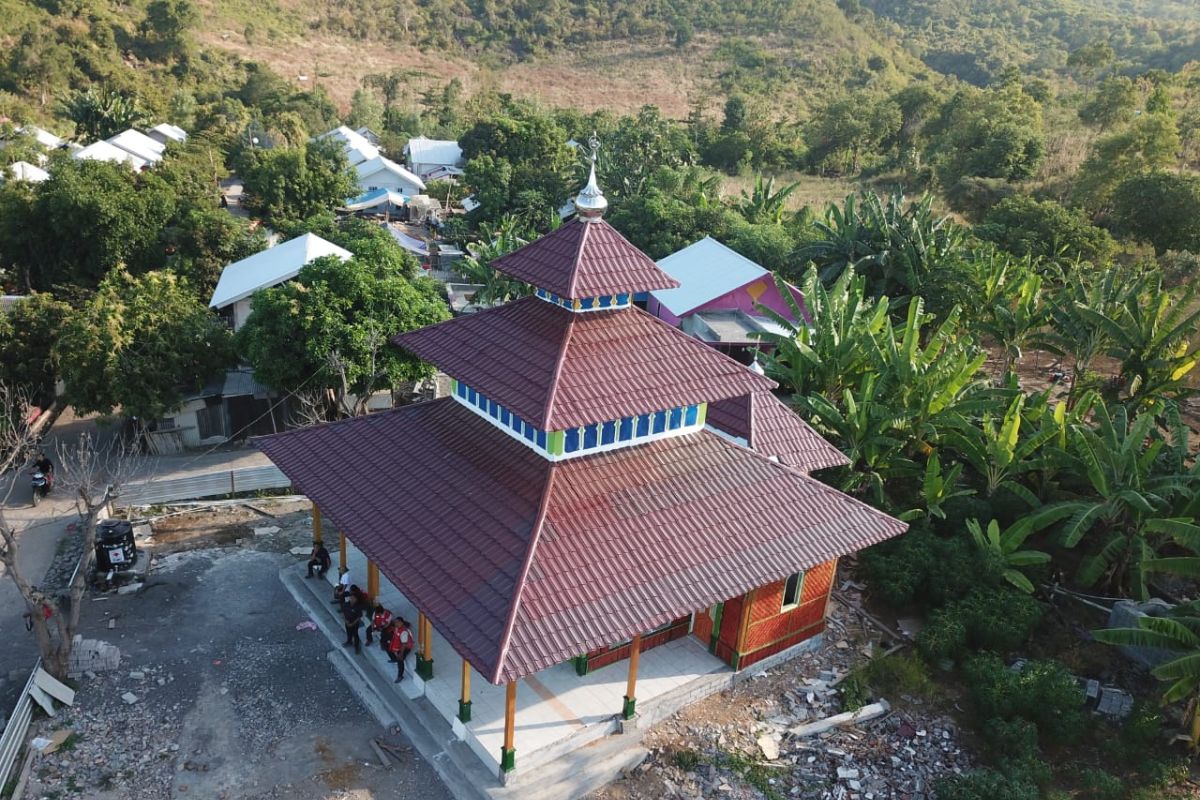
x,y
595,473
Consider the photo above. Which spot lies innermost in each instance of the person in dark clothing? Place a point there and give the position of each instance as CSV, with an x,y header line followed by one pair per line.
x,y
43,465
379,622
352,613
319,560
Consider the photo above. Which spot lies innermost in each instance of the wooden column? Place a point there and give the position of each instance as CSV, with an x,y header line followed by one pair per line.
x,y
372,581
316,518
464,700
635,652
425,656
343,562
508,755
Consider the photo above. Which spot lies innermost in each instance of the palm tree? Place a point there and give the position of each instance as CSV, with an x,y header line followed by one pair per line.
x,y
98,114
1180,634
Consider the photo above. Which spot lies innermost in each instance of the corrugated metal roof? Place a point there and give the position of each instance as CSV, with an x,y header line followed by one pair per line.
x,y
271,267
559,369
420,150
521,563
379,164
138,144
103,151
584,259
705,270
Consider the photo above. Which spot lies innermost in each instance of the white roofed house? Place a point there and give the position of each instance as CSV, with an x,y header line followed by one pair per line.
x,y
383,173
434,158
139,145
358,148
24,171
165,133
103,151
273,266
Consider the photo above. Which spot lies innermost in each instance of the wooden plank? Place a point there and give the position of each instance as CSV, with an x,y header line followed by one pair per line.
x,y
382,756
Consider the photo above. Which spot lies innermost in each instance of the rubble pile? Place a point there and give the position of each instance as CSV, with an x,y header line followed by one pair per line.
x,y
765,739
115,742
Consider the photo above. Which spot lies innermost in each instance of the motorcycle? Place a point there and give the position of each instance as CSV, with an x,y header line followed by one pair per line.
x,y
41,483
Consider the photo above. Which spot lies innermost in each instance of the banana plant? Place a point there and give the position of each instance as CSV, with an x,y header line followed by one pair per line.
x,y
764,204
996,451
937,488
1125,502
837,348
1149,331
1005,547
1013,308
1178,633
862,428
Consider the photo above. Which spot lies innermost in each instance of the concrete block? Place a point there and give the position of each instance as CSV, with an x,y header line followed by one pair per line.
x,y
1125,614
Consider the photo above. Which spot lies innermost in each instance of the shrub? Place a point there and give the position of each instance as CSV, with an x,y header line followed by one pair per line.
x,y
991,618
1001,618
1099,785
986,784
944,635
922,568
1044,693
1014,740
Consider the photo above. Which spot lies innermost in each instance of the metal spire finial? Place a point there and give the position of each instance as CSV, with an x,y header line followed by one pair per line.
x,y
590,202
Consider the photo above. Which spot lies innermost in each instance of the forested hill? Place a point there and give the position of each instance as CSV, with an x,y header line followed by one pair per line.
x,y
975,40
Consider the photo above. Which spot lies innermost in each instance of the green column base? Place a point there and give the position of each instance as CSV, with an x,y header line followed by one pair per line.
x,y
508,759
581,665
425,668
735,661
630,708
464,710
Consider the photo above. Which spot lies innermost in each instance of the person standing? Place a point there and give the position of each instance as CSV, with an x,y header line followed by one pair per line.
x,y
400,646
352,612
379,622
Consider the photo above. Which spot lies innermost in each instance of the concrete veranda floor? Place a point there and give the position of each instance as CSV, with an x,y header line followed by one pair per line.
x,y
557,709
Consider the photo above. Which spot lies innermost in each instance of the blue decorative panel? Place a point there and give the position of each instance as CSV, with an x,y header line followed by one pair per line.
x,y
590,437
608,432
690,415
626,431
571,440
643,425
676,418
660,422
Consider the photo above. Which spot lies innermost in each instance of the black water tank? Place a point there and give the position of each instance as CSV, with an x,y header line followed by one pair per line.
x,y
114,545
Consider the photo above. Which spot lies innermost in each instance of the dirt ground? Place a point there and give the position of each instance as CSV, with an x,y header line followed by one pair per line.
x,y
231,701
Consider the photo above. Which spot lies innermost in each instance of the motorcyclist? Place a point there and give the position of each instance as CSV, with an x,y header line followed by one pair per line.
x,y
44,465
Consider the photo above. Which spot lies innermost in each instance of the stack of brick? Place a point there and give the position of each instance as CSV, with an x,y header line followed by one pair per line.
x,y
92,655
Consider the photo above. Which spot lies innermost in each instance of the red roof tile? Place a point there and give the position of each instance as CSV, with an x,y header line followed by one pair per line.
x,y
521,563
772,429
584,259
558,369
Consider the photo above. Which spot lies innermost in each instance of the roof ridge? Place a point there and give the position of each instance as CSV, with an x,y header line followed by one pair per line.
x,y
535,538
575,265
552,392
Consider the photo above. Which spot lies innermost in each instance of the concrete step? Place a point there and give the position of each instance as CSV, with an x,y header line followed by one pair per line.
x,y
459,768
569,777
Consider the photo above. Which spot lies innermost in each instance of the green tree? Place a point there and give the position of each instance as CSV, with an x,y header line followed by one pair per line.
x,y
328,330
992,133
292,184
1162,208
139,344
28,334
849,128
1090,58
365,111
101,113
1003,547
678,207
92,216
1113,103
167,28
1149,143
1024,226
203,241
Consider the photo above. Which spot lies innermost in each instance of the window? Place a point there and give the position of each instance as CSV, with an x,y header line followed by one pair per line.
x,y
791,591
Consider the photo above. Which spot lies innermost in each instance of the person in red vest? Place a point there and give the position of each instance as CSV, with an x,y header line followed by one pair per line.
x,y
400,645
379,622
